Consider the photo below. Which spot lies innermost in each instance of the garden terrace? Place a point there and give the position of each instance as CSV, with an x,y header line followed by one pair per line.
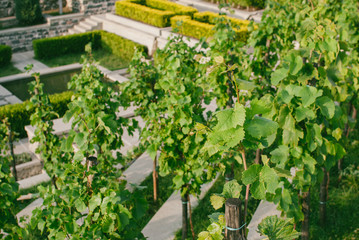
x,y
154,12
203,23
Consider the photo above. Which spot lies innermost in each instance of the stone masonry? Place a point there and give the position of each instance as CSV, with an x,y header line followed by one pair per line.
x,y
7,7
20,39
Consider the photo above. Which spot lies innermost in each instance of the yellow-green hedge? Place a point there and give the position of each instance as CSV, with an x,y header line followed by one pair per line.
x,y
48,48
154,12
203,23
171,6
157,18
19,116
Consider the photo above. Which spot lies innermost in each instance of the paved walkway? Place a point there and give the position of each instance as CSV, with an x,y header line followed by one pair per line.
x,y
21,60
206,6
168,219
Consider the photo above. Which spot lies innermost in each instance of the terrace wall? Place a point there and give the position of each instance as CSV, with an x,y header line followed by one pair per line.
x,y
20,39
7,7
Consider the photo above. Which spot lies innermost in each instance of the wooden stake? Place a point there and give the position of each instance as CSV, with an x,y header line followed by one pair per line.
x,y
190,217
155,177
184,216
258,156
233,216
323,198
306,212
12,153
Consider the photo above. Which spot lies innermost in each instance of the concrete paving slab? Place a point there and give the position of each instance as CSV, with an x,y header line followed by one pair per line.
x,y
134,24
264,210
21,60
138,170
28,210
206,6
4,92
168,219
13,99
33,181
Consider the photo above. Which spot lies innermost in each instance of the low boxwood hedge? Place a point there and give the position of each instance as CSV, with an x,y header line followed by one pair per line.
x,y
165,5
19,117
5,55
153,12
56,46
258,4
75,43
202,25
119,46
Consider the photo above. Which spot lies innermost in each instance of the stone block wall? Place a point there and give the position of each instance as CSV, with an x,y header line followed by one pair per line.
x,y
20,39
7,8
51,4
90,7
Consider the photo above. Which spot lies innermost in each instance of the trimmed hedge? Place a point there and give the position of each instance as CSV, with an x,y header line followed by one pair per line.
x,y
171,6
19,117
119,46
154,12
53,47
157,18
203,24
5,55
57,46
259,4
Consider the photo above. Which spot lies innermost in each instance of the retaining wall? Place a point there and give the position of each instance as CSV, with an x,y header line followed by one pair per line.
x,y
7,7
20,39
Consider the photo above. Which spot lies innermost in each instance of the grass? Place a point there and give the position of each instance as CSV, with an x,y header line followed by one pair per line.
x,y
23,158
200,214
8,70
103,57
164,192
343,203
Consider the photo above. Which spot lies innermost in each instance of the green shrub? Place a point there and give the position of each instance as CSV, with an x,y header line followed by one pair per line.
x,y
153,12
203,24
53,47
191,27
157,18
5,55
28,12
119,46
57,46
171,6
19,117
258,3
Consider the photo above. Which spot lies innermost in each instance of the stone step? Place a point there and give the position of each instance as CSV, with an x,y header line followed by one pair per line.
x,y
134,35
264,210
85,25
155,31
72,31
80,29
34,180
93,21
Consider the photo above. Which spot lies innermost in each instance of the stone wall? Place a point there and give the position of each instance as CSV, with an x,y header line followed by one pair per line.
x,y
7,8
90,7
20,39
51,4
